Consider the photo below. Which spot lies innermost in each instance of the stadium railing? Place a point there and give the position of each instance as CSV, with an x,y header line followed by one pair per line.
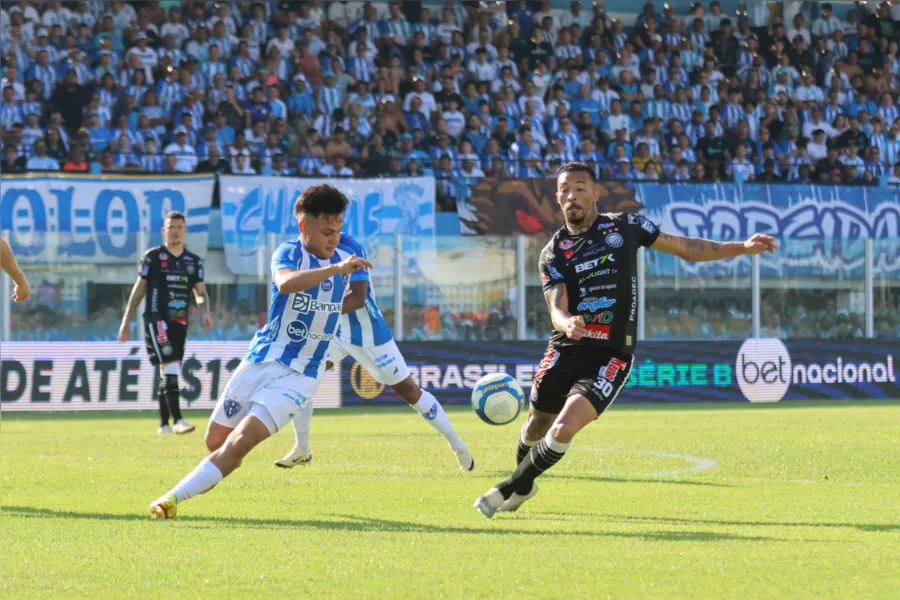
x,y
487,288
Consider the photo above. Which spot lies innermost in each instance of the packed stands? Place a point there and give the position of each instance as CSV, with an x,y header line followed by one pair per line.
x,y
760,91
766,91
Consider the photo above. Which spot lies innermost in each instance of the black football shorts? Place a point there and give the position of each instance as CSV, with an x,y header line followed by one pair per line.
x,y
597,374
164,339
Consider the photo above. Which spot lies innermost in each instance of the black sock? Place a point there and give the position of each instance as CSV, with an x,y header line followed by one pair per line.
x,y
173,395
539,459
163,406
522,451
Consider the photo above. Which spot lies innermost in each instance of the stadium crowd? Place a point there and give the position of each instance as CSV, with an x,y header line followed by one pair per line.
x,y
458,90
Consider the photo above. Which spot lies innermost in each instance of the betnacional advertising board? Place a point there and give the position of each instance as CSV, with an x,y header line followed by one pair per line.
x,y
765,370
38,376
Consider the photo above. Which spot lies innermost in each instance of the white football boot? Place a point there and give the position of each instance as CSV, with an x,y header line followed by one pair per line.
x,y
464,458
164,430
297,456
490,503
182,427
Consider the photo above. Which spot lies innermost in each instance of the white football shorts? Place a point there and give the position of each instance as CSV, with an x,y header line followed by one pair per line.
x,y
280,390
384,363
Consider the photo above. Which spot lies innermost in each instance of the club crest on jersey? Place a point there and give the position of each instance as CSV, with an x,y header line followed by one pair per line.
x,y
566,244
614,240
190,269
232,407
327,285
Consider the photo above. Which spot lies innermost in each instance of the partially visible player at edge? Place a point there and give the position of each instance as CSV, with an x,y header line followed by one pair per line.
x,y
168,276
22,290
364,335
589,276
286,361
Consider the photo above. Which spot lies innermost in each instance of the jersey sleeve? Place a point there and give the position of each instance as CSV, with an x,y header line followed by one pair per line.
x,y
647,231
146,265
287,256
549,269
362,274
198,275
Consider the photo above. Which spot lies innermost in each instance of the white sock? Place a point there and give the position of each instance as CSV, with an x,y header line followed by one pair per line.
x,y
201,479
431,410
555,445
302,422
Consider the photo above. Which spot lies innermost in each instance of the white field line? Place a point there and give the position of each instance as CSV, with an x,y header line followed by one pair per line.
x,y
697,464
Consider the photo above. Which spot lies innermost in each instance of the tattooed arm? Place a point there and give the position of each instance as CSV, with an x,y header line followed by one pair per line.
x,y
137,294
558,302
700,250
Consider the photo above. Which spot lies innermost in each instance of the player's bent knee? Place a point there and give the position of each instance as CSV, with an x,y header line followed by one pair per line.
x,y
536,428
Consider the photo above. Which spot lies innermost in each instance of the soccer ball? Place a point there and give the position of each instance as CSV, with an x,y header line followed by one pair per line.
x,y
497,399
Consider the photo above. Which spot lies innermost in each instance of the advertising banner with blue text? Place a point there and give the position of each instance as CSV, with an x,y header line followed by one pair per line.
x,y
85,219
255,209
765,370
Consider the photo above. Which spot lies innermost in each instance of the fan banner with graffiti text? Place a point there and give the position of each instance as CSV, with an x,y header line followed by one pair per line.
x,y
494,206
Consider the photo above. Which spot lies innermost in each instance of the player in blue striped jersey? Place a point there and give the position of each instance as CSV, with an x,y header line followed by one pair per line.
x,y
366,337
286,360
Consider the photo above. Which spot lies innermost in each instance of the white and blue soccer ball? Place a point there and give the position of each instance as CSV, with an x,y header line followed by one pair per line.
x,y
497,399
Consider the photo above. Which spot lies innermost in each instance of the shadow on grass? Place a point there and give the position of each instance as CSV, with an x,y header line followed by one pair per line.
x,y
354,523
867,527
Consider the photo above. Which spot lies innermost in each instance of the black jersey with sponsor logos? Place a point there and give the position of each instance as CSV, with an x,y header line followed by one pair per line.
x,y
599,269
170,281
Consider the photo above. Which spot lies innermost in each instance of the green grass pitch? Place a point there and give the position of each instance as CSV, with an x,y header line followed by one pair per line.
x,y
796,500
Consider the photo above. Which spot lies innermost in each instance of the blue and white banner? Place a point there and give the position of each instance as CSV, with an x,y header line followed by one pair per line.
x,y
86,219
255,207
821,228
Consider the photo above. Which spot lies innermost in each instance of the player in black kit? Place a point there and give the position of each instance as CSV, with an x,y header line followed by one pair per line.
x,y
589,276
168,276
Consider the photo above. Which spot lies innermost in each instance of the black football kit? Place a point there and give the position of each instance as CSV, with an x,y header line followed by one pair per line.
x,y
599,269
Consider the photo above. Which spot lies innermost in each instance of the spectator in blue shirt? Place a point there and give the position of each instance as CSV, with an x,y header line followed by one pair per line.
x,y
99,135
257,108
40,161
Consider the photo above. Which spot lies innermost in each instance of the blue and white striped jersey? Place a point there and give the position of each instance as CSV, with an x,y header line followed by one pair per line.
x,y
366,325
302,324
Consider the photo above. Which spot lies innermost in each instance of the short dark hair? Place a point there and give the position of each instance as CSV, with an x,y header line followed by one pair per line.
x,y
175,216
577,167
320,200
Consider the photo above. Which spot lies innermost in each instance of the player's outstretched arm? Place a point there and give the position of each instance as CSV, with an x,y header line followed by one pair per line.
x,y
289,281
137,294
8,262
356,297
558,302
700,250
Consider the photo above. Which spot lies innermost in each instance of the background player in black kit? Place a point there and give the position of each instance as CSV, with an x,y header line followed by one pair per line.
x,y
168,276
589,276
